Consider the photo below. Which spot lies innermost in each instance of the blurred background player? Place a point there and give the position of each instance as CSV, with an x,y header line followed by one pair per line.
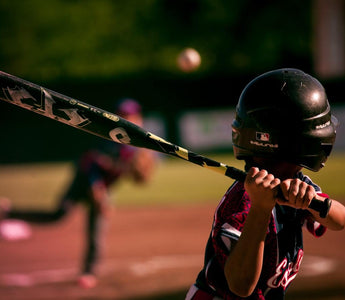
x,y
95,171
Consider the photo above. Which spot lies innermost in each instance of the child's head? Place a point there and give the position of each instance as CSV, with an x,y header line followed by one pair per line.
x,y
130,110
284,115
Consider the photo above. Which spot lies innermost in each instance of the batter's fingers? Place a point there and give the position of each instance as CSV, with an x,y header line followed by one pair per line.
x,y
259,177
275,182
310,193
252,172
293,190
301,201
267,180
251,175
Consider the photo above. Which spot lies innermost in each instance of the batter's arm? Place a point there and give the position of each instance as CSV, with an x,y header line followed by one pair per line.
x,y
245,261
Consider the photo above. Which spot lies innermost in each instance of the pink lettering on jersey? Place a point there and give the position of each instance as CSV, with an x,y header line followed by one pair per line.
x,y
286,272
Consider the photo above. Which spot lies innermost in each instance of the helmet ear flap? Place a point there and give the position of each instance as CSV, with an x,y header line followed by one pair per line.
x,y
327,148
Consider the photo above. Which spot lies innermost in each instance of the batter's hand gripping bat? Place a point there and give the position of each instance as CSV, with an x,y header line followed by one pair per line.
x,y
108,125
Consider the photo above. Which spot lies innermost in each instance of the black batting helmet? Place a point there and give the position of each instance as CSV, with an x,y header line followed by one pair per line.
x,y
284,114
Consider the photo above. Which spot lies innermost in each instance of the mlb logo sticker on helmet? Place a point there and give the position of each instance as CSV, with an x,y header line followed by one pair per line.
x,y
262,136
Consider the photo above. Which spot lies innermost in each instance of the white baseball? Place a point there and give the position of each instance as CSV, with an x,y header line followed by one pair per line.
x,y
189,60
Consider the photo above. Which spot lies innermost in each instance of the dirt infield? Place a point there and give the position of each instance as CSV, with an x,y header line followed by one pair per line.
x,y
151,253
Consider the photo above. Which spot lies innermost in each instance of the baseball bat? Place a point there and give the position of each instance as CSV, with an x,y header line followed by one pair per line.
x,y
107,125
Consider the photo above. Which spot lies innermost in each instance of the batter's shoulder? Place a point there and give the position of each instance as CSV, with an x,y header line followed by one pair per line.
x,y
309,181
235,199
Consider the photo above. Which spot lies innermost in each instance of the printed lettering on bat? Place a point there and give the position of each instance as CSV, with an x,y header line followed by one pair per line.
x,y
46,105
120,135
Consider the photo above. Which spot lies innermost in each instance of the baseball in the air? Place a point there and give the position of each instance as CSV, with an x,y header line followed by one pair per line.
x,y
189,60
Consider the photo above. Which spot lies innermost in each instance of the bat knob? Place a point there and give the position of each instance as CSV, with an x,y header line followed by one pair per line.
x,y
322,207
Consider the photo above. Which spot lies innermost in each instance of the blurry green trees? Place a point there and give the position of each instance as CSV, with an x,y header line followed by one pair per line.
x,y
52,39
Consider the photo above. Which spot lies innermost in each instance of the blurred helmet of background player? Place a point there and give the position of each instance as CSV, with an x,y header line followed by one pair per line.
x,y
130,110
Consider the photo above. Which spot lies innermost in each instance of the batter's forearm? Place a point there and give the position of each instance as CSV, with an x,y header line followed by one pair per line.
x,y
335,219
244,264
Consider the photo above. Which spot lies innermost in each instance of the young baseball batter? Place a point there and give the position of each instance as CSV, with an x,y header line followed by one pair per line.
x,y
95,172
283,124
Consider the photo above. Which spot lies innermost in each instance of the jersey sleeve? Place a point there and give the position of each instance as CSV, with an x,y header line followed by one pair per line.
x,y
313,227
229,221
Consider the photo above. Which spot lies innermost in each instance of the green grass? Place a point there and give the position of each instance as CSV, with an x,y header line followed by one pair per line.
x,y
178,181
174,182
